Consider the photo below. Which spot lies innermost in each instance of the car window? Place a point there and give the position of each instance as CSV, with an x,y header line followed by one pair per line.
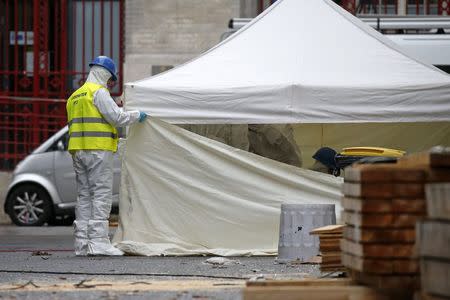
x,y
65,141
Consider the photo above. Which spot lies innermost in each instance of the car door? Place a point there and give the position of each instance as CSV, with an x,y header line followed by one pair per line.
x,y
64,174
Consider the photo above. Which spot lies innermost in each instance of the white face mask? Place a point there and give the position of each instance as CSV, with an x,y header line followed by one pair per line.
x,y
99,75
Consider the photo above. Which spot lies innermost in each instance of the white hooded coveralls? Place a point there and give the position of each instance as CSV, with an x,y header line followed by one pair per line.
x,y
94,176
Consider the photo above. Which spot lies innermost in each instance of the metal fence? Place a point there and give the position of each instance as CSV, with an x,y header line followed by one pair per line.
x,y
386,7
391,7
45,47
24,124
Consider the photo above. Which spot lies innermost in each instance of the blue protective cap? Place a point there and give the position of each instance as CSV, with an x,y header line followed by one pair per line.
x,y
326,156
107,63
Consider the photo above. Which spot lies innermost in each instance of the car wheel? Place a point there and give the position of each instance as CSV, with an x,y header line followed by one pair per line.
x,y
29,205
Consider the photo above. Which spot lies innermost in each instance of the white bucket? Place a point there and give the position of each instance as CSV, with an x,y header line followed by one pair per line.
x,y
296,222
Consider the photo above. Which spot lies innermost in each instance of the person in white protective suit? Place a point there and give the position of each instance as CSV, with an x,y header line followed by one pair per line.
x,y
93,117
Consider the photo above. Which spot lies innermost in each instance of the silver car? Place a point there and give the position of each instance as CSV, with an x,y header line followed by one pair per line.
x,y
43,188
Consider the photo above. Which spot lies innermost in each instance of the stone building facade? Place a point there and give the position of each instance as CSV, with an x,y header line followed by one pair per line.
x,y
160,34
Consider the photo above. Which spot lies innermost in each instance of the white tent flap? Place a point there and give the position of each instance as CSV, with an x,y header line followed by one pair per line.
x,y
184,194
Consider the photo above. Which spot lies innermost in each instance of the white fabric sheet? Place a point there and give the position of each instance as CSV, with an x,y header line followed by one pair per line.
x,y
184,194
301,61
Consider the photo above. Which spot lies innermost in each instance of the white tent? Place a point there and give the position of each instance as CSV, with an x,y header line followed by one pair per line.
x,y
301,61
184,194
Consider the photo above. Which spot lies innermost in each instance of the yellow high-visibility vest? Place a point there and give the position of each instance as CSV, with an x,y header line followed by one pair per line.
x,y
88,130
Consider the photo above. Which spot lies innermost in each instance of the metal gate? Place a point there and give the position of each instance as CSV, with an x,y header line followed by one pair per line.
x,y
444,7
391,7
45,47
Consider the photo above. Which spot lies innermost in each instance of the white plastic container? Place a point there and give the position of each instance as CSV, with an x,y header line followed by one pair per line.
x,y
296,222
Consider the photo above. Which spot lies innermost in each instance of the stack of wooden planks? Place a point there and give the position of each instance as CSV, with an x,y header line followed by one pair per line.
x,y
311,289
329,247
382,203
433,233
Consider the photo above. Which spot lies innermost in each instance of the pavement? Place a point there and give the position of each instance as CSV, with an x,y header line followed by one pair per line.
x,y
39,263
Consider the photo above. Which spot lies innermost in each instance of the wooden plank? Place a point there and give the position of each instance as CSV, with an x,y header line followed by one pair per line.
x,y
438,200
302,282
433,239
367,205
379,250
435,276
437,175
331,258
330,242
333,229
409,206
332,268
313,293
380,220
332,265
384,190
381,235
329,236
389,173
332,253
421,295
425,159
367,220
327,248
380,266
386,173
386,282
396,205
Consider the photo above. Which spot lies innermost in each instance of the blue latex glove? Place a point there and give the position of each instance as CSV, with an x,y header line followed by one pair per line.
x,y
142,116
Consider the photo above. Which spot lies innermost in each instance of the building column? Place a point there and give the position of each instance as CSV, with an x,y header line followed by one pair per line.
x,y
401,7
249,9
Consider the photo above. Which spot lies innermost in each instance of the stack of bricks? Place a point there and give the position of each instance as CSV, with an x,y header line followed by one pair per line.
x,y
382,203
433,233
329,248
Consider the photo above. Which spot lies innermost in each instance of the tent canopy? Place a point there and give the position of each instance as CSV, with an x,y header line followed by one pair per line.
x,y
301,61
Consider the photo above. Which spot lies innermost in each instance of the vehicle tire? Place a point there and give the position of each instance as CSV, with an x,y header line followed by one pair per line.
x,y
29,205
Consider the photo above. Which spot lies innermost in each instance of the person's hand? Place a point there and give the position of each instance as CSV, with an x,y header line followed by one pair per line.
x,y
142,116
119,101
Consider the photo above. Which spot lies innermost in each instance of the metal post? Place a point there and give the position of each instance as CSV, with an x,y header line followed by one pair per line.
x,y
83,60
121,43
111,18
63,41
401,7
102,33
16,46
36,44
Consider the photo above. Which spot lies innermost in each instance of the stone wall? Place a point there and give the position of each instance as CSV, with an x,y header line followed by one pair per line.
x,y
171,32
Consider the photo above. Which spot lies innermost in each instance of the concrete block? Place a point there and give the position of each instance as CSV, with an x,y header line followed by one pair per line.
x,y
5,179
172,32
